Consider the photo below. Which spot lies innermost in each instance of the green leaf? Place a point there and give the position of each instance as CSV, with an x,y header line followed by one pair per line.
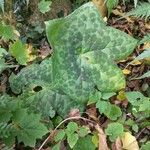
x,y
111,111
111,4
60,135
19,51
72,139
57,146
71,128
7,32
28,127
2,52
145,54
83,131
114,130
2,5
85,143
146,38
44,6
106,96
145,75
146,146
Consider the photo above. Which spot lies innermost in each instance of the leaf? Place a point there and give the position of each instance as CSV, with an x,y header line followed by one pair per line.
x,y
19,51
106,96
145,54
85,143
110,5
121,96
60,135
129,142
146,146
145,39
141,11
2,52
114,130
44,6
56,147
83,131
72,139
7,32
126,71
145,75
2,5
90,48
111,111
102,138
71,128
28,127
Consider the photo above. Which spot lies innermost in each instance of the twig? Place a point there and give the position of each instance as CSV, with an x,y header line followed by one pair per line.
x,y
67,119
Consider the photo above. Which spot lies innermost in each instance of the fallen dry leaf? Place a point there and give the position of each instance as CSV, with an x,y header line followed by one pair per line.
x,y
117,145
101,7
126,71
129,142
102,138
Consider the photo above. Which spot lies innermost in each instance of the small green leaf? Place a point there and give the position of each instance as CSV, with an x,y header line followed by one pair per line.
x,y
145,75
19,51
60,135
106,96
44,6
71,128
3,52
72,139
7,32
114,130
146,146
56,147
85,143
83,131
111,111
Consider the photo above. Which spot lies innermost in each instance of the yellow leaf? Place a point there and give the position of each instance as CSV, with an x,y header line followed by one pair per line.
x,y
95,139
135,63
121,96
31,57
126,71
101,7
129,142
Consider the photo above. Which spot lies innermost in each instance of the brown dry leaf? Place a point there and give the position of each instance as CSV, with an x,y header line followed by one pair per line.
x,y
126,71
101,7
102,138
146,45
129,142
117,145
118,13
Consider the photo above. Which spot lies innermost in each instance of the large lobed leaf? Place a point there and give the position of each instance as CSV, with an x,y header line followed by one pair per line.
x,y
85,51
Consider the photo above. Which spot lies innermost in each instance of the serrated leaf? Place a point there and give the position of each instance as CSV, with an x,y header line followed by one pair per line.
x,y
146,146
71,128
72,139
7,32
19,51
44,6
28,127
83,131
60,135
111,111
114,130
85,144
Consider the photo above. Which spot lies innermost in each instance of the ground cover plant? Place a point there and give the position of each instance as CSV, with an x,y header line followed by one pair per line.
x,y
75,75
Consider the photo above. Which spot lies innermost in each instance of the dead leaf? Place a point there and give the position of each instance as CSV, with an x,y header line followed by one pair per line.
x,y
117,145
126,71
146,45
101,7
102,138
129,142
135,63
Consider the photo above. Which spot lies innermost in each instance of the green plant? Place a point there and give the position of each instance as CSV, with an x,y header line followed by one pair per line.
x,y
141,11
86,58
2,5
